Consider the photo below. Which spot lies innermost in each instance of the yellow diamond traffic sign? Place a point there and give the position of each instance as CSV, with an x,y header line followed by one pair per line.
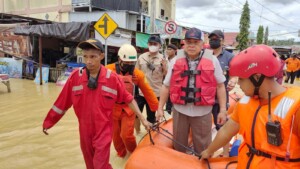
x,y
105,26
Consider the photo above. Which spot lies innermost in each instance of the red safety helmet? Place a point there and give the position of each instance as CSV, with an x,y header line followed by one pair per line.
x,y
258,59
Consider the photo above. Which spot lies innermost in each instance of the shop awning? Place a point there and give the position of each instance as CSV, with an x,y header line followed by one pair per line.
x,y
72,31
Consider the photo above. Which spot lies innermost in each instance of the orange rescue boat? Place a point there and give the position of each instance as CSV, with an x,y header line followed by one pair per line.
x,y
160,154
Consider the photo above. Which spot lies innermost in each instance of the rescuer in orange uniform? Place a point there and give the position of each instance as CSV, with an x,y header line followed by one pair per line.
x,y
268,117
292,66
124,117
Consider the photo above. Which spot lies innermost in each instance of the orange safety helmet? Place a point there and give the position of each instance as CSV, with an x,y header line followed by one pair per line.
x,y
258,59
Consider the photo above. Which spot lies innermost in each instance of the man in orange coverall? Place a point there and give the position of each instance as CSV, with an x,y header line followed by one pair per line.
x,y
268,116
92,91
123,116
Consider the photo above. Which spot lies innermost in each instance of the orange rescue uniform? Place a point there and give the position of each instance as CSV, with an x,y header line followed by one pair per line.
x,y
124,117
292,64
252,118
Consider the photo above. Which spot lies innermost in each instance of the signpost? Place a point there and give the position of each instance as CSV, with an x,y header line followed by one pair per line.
x,y
170,28
105,26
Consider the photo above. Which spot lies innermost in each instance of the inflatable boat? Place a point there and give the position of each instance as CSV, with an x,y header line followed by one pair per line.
x,y
155,151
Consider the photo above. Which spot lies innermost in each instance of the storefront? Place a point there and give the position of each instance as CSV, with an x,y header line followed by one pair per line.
x,y
58,42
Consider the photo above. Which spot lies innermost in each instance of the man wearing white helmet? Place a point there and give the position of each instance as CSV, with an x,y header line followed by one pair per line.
x,y
123,116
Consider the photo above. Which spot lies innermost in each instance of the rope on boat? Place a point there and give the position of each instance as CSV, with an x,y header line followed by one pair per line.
x,y
157,128
231,162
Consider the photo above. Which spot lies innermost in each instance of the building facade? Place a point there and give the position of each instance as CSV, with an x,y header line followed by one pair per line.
x,y
129,14
165,9
53,10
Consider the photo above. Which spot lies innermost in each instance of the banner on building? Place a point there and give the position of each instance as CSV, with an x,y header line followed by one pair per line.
x,y
160,29
11,67
15,45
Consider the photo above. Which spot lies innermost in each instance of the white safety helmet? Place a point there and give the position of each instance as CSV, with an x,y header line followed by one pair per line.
x,y
127,53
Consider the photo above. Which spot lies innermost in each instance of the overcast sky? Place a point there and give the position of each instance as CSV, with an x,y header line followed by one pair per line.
x,y
281,16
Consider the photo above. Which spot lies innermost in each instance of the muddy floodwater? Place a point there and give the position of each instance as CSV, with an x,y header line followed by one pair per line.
x,y
22,142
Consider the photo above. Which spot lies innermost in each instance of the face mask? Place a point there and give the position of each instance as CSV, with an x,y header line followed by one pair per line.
x,y
127,68
215,44
153,49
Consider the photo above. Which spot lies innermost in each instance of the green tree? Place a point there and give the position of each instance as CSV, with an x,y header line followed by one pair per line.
x,y
244,28
271,42
266,36
287,42
260,35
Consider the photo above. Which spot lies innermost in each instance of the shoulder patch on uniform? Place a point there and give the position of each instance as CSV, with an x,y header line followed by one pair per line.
x,y
244,100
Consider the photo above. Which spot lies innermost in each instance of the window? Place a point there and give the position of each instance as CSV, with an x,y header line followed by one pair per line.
x,y
162,12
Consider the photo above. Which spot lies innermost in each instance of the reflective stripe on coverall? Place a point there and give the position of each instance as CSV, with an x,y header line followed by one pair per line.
x,y
93,109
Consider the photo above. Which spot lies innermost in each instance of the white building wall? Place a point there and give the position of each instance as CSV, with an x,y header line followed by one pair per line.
x,y
169,6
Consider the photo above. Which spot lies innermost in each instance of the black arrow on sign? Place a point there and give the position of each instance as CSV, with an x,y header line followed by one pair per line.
x,y
105,19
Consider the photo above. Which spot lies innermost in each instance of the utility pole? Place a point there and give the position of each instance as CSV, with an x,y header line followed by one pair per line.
x,y
152,16
90,6
40,60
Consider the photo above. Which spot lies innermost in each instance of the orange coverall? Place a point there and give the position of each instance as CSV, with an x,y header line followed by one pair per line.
x,y
123,116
